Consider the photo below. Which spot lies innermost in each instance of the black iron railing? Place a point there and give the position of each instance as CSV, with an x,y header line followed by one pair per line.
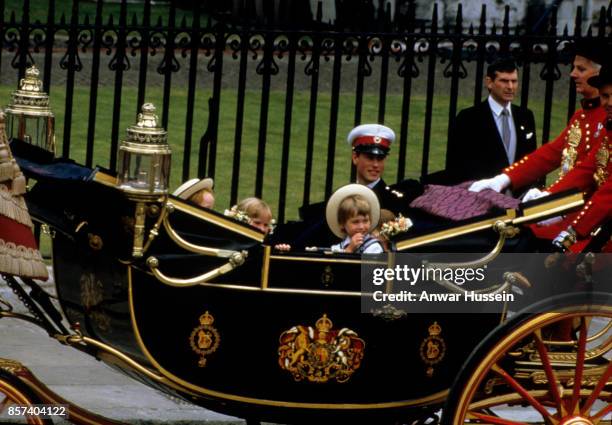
x,y
303,82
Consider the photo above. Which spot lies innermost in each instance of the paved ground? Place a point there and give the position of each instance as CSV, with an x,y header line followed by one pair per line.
x,y
90,383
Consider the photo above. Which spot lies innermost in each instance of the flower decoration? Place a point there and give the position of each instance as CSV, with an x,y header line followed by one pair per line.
x,y
394,227
237,214
273,225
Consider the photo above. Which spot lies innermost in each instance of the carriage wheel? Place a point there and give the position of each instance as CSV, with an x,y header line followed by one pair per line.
x,y
521,375
14,392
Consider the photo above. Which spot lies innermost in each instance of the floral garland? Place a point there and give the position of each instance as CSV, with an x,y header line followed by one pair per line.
x,y
237,214
391,228
243,217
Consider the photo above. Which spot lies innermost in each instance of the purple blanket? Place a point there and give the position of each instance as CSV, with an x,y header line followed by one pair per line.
x,y
458,203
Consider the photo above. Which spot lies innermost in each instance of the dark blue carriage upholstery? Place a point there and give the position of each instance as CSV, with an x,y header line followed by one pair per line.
x,y
39,164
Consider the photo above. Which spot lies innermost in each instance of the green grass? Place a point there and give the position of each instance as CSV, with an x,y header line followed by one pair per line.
x,y
248,154
250,134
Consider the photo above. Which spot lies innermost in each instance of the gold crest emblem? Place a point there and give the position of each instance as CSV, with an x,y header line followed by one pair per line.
x,y
433,348
602,158
570,153
327,277
204,339
320,354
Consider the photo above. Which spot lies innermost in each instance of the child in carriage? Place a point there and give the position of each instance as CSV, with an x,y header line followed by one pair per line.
x,y
352,213
253,211
198,192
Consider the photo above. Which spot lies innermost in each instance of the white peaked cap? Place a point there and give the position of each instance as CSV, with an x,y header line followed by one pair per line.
x,y
371,138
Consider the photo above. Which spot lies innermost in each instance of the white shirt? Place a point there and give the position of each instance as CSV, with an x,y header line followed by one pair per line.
x,y
374,183
375,248
496,108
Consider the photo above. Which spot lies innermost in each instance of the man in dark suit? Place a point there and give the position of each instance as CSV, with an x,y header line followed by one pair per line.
x,y
491,135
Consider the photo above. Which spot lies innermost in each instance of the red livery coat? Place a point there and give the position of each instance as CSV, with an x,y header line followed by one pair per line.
x,y
549,156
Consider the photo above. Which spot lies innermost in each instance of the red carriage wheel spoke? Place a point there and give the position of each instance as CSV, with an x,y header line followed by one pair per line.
x,y
580,354
550,374
494,419
597,390
603,412
523,392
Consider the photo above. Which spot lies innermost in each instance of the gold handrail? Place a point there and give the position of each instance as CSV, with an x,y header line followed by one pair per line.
x,y
237,259
503,231
198,249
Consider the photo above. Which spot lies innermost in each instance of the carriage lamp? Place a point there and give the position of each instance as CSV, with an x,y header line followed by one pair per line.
x,y
144,169
144,158
28,116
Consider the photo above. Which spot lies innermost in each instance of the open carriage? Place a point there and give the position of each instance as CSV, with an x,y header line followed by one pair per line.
x,y
200,306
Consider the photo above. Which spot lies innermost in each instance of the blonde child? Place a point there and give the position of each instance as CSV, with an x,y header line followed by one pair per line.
x,y
258,212
354,220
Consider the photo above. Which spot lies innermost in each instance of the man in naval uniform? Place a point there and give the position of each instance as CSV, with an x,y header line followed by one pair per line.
x,y
574,143
370,144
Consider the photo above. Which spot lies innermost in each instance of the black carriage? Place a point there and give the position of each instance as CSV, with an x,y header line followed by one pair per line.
x,y
200,306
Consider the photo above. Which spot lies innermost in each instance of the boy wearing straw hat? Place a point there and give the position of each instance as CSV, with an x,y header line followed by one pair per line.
x,y
352,213
198,192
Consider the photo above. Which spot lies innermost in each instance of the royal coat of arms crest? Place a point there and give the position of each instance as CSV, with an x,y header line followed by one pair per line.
x,y
320,353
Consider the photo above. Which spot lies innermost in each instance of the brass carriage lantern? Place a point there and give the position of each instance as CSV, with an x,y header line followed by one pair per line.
x,y
144,158
28,116
144,170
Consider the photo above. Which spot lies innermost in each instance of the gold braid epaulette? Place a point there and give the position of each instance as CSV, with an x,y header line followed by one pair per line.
x,y
601,159
570,152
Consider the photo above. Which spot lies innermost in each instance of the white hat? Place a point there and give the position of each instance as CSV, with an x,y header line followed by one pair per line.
x,y
331,212
371,138
190,187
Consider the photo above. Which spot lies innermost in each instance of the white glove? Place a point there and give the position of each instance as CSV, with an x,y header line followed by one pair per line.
x,y
550,221
497,183
534,194
565,239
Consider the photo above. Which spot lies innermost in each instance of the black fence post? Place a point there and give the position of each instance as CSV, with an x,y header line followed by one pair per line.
x,y
404,48
282,194
549,73
23,53
194,46
119,63
49,42
266,68
333,116
240,45
431,72
407,71
145,41
70,64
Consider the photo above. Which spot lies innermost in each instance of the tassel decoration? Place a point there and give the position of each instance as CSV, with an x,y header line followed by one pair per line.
x,y
22,261
19,184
